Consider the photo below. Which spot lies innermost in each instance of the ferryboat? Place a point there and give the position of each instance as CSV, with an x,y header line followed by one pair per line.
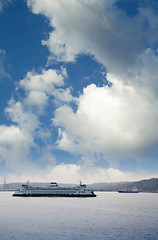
x,y
53,190
128,190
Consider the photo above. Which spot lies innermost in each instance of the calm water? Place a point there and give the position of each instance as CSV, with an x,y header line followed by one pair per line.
x,y
108,216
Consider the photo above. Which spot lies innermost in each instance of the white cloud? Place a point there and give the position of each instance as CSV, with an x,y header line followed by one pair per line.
x,y
146,72
25,114
63,95
80,26
115,121
45,82
48,83
38,99
97,28
14,148
72,173
25,119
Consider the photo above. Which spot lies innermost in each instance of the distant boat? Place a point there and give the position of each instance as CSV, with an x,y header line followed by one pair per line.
x,y
128,190
53,191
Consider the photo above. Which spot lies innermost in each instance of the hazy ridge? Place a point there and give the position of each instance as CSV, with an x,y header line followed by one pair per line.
x,y
147,185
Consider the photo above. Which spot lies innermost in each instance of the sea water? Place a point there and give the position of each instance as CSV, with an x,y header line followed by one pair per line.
x,y
109,216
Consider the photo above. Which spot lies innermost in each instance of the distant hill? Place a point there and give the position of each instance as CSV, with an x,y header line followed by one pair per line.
x,y
147,185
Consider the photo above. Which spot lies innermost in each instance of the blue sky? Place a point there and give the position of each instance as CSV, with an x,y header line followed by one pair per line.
x,y
78,90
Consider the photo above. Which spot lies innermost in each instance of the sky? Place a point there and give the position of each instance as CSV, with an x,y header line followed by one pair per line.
x,y
78,90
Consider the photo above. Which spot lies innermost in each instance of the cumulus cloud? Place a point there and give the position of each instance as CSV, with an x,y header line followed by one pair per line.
x,y
42,82
114,121
98,28
72,173
75,173
84,27
119,120
38,99
19,140
14,147
145,73
50,83
25,119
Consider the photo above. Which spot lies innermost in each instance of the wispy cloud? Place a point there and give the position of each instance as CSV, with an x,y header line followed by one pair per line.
x,y
4,4
3,73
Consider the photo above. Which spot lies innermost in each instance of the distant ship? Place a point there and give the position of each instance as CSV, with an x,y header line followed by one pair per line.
x,y
128,190
53,190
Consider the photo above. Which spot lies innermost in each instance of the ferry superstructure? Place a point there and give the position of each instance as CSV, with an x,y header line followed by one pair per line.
x,y
53,190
